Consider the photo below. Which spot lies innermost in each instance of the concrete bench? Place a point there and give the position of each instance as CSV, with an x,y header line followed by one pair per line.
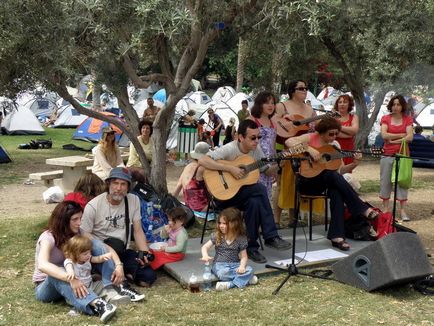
x,y
47,177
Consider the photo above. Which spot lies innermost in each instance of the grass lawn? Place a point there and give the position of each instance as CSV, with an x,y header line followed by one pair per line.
x,y
302,301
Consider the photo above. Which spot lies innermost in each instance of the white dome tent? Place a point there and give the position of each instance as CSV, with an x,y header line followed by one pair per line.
x,y
21,121
426,116
68,117
223,94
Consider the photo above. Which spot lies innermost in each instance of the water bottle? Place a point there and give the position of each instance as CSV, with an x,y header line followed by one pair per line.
x,y
192,284
207,277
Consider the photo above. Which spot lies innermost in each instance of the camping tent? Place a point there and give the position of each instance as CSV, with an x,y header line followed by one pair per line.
x,y
91,129
314,102
21,121
4,157
235,101
68,117
223,94
39,101
426,116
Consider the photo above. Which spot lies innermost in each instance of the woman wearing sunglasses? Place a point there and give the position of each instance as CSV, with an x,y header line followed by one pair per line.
x,y
285,113
261,113
339,191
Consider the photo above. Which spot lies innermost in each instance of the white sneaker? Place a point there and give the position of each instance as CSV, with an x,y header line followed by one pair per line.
x,y
133,294
405,218
254,280
110,295
222,286
103,309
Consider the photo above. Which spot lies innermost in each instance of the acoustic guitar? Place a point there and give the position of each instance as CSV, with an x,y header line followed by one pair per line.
x,y
331,159
290,126
223,186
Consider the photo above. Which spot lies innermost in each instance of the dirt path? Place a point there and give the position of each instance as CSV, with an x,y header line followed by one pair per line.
x,y
19,201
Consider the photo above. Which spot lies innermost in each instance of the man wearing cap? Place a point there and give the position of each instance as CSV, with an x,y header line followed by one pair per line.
x,y
252,199
191,180
104,219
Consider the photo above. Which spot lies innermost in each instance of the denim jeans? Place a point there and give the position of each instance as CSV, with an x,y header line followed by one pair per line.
x,y
227,272
131,266
52,289
106,268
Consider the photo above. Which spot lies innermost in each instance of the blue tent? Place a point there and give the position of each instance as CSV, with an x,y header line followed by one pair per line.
x,y
4,157
160,96
91,130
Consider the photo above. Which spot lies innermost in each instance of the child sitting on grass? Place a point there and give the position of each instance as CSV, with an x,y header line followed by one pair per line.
x,y
176,246
230,261
78,261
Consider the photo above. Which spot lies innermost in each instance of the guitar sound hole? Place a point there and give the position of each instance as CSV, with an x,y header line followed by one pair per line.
x,y
327,157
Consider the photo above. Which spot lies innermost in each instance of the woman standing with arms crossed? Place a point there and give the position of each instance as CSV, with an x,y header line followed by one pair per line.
x,y
297,91
395,127
261,113
344,105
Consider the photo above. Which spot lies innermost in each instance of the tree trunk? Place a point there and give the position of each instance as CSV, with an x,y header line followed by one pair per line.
x,y
242,57
277,71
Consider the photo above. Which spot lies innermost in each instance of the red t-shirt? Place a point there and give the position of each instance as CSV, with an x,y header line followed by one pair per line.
x,y
390,149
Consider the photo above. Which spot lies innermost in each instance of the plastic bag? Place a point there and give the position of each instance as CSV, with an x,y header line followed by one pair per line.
x,y
53,195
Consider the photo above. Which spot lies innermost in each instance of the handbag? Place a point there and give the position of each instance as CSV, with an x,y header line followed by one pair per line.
x,y
405,173
195,194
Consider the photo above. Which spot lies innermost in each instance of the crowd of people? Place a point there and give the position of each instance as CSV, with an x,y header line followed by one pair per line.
x,y
93,229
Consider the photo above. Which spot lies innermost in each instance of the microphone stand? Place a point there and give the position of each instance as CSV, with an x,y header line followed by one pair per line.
x,y
292,269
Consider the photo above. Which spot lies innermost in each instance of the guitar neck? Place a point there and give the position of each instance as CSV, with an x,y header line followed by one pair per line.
x,y
309,120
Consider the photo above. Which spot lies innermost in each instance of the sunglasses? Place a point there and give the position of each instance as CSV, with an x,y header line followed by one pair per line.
x,y
301,89
333,133
255,137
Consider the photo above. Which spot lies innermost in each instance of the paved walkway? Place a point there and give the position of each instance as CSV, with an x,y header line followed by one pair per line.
x,y
182,270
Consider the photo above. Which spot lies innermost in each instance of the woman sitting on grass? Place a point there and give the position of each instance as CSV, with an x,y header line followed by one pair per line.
x,y
50,278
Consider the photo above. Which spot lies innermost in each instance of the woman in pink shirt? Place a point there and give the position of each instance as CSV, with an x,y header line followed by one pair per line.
x,y
395,127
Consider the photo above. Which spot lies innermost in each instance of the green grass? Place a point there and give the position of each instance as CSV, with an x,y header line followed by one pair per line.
x,y
25,161
372,186
302,300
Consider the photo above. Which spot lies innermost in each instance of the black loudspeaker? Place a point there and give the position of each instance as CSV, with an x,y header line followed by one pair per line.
x,y
396,258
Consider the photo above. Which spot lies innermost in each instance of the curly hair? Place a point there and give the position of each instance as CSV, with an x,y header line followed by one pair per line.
x,y
401,100
349,99
327,124
146,122
75,246
235,225
59,221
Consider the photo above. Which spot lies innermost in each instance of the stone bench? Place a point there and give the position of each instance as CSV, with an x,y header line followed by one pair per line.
x,y
47,177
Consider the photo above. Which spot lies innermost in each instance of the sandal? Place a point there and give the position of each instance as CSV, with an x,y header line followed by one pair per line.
x,y
372,215
342,245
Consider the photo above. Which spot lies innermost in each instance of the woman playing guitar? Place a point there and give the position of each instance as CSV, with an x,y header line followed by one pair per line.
x,y
293,109
338,189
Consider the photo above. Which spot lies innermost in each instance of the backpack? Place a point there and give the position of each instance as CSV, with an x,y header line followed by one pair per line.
x,y
170,201
383,224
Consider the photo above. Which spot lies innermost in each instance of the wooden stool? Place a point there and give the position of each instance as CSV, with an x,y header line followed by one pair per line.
x,y
310,199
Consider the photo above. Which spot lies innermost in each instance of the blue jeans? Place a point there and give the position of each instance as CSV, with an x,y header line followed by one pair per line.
x,y
131,266
106,268
227,272
52,289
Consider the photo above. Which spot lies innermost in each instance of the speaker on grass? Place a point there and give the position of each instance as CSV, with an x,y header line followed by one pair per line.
x,y
397,258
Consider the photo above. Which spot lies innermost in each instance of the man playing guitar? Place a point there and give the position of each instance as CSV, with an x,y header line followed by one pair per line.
x,y
252,199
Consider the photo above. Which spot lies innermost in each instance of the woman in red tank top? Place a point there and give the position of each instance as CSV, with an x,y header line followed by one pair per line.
x,y
395,127
350,124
